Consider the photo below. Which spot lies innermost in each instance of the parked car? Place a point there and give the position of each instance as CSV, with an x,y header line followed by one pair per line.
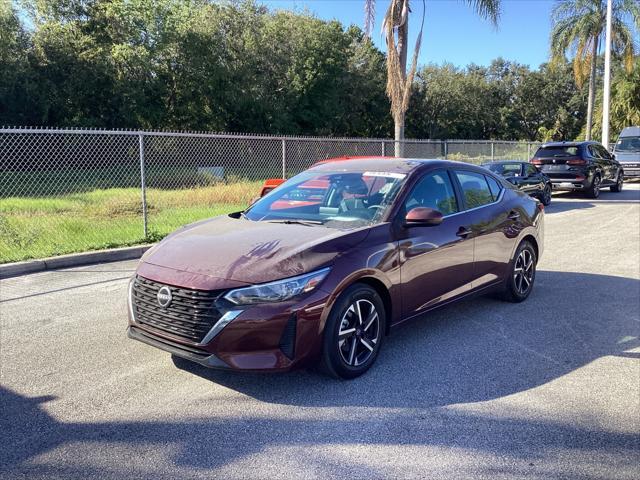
x,y
579,166
525,176
627,151
285,284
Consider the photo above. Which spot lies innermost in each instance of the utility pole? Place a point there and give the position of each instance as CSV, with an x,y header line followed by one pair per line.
x,y
607,80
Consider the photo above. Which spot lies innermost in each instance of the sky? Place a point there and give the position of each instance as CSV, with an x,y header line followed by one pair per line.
x,y
453,32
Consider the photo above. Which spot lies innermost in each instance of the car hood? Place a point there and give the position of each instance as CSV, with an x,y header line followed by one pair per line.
x,y
629,157
249,252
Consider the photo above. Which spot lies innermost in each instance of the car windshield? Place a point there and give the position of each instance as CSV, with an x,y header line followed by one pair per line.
x,y
505,169
331,199
556,152
628,144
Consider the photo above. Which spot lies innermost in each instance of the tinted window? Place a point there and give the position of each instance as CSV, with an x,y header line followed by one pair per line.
x,y
505,169
475,189
593,151
531,170
434,190
602,151
494,187
557,152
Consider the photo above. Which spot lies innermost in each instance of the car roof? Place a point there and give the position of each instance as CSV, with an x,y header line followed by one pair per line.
x,y
500,162
630,131
386,164
568,144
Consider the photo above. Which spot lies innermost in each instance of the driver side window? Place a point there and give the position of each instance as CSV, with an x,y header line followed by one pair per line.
x,y
435,191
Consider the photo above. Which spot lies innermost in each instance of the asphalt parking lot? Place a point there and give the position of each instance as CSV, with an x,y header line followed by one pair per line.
x,y
545,389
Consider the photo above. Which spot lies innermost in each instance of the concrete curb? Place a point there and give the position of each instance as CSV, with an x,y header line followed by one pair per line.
x,y
73,260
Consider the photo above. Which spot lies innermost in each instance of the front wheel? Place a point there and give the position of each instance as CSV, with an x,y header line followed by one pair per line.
x,y
619,182
522,274
353,333
546,195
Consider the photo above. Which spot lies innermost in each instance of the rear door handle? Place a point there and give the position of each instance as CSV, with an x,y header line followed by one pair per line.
x,y
513,215
463,232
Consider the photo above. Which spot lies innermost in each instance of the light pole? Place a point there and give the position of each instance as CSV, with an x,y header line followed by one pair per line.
x,y
607,79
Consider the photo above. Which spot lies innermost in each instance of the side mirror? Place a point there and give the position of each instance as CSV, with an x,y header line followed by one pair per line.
x,y
423,217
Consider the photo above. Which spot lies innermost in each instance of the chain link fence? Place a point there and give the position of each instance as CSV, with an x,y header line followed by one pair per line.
x,y
64,191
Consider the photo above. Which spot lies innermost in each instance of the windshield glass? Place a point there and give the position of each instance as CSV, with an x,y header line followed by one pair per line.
x,y
505,169
332,199
628,144
551,152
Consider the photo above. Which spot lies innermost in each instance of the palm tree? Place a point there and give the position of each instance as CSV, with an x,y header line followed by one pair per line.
x,y
578,27
396,31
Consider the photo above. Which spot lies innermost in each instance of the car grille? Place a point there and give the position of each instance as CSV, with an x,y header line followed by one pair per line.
x,y
189,315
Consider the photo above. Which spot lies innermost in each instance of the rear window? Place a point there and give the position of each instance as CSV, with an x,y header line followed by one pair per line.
x,y
556,152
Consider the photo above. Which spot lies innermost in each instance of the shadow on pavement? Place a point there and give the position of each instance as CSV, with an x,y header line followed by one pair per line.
x,y
565,201
475,351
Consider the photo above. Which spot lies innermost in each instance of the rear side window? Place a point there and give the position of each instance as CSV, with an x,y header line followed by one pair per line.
x,y
475,189
593,151
602,151
557,152
494,187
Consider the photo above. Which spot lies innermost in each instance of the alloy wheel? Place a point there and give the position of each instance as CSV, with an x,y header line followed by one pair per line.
x,y
596,186
359,332
523,271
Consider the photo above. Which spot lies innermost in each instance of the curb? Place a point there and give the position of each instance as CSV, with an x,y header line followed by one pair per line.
x,y
72,260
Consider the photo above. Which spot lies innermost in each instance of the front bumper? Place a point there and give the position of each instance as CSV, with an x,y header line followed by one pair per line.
x,y
197,356
631,171
268,337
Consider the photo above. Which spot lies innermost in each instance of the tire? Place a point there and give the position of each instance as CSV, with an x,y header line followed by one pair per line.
x,y
619,183
545,198
594,189
519,283
353,333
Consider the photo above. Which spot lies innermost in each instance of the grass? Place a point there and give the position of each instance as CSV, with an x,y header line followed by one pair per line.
x,y
106,218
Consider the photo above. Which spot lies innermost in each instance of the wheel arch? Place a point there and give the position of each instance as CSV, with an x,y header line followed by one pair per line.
x,y
385,296
531,239
373,279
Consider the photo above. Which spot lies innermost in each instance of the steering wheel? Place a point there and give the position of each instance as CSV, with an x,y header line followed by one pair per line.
x,y
375,206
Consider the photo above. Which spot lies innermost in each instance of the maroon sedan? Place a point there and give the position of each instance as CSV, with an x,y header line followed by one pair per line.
x,y
325,265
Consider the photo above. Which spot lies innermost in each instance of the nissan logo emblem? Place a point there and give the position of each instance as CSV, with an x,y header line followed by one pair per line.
x,y
164,297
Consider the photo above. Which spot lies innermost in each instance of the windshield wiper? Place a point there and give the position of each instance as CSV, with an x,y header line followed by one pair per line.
x,y
297,222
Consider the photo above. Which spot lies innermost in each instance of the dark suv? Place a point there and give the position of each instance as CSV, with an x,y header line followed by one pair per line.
x,y
582,166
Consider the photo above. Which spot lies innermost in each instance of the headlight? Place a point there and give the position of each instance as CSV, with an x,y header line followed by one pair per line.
x,y
277,291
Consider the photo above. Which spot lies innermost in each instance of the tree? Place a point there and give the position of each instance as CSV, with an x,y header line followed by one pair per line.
x,y
578,27
625,100
396,31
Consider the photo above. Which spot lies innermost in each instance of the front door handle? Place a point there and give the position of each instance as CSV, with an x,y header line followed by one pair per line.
x,y
463,232
513,215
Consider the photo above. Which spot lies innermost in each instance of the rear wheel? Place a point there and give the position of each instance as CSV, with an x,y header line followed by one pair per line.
x,y
519,284
594,189
619,182
353,333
